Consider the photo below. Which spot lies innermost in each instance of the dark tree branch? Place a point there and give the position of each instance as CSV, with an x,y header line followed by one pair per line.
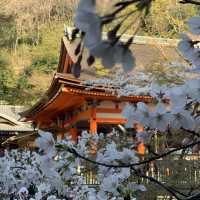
x,y
191,132
73,151
190,2
153,180
169,189
120,6
193,197
18,167
178,192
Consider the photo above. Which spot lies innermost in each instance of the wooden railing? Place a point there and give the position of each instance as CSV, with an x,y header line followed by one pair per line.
x,y
181,174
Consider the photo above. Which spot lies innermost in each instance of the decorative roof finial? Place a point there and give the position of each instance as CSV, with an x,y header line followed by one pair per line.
x,y
70,32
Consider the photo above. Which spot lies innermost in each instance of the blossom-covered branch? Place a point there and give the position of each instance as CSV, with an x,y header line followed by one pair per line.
x,y
128,165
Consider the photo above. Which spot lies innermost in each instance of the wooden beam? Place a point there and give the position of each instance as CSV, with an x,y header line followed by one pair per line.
x,y
109,110
82,115
67,64
93,122
79,89
111,120
74,134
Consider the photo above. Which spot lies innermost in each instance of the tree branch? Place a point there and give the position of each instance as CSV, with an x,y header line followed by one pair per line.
x,y
73,151
191,132
151,179
190,2
193,197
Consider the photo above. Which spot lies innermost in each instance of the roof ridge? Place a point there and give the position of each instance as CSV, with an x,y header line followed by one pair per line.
x,y
138,39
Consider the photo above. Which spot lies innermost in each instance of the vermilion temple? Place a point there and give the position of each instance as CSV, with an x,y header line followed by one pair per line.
x,y
69,106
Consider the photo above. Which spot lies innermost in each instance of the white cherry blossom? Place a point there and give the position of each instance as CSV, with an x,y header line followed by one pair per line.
x,y
144,116
128,156
160,118
185,46
193,89
182,118
177,96
130,113
194,25
193,69
87,5
23,193
61,175
112,54
110,184
46,143
88,22
157,91
137,187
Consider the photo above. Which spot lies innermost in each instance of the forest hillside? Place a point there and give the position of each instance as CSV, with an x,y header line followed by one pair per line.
x,y
30,34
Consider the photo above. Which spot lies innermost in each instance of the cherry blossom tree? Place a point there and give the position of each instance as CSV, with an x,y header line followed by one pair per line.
x,y
54,172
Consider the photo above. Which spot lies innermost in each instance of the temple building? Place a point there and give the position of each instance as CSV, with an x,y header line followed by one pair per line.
x,y
12,130
70,105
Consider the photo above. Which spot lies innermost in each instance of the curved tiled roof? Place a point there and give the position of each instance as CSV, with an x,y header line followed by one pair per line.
x,y
10,119
154,50
148,51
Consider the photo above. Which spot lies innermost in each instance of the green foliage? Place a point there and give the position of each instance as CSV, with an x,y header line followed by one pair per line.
x,y
44,64
30,42
7,80
4,75
22,83
16,86
45,55
41,59
167,19
7,31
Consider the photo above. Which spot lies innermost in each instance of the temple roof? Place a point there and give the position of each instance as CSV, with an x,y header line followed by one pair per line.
x,y
66,91
9,119
147,51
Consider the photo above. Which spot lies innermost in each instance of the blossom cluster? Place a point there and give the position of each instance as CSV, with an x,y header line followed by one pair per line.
x,y
189,45
54,172
173,108
110,50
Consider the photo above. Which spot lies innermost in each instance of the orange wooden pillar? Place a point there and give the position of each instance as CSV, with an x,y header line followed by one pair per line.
x,y
93,126
141,147
93,122
93,130
74,134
